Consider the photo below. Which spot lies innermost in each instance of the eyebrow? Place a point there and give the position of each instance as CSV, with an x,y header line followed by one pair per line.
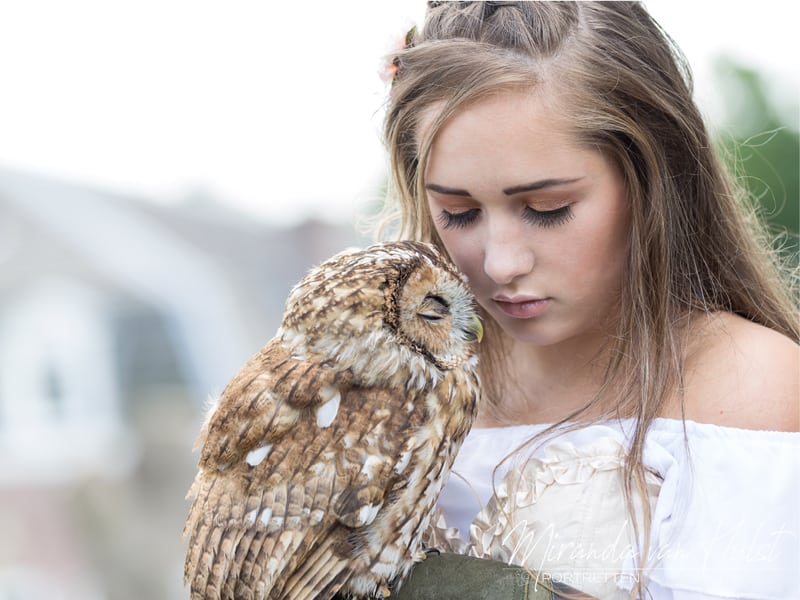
x,y
539,185
525,187
440,189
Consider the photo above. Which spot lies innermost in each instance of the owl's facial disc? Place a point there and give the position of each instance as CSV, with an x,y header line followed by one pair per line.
x,y
437,316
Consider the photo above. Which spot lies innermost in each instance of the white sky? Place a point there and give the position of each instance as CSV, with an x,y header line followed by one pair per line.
x,y
273,107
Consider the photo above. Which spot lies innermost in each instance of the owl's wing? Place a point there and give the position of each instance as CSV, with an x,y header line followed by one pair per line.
x,y
263,402
261,407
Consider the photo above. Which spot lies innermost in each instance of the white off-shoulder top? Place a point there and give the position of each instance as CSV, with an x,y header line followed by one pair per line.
x,y
724,509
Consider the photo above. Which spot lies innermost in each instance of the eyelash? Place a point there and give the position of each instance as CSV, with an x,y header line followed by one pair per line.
x,y
541,218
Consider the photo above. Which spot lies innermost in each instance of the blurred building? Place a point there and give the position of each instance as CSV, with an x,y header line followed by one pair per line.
x,y
118,320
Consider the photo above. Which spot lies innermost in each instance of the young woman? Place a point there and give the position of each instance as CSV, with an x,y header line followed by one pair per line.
x,y
638,429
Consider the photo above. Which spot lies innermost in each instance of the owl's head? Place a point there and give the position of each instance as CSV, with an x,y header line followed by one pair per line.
x,y
384,307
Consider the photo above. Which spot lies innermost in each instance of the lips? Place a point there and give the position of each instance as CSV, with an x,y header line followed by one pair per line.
x,y
521,307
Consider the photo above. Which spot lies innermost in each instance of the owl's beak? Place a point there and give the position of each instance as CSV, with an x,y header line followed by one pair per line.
x,y
475,330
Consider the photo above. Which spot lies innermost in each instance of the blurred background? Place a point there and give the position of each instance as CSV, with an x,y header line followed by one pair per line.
x,y
168,169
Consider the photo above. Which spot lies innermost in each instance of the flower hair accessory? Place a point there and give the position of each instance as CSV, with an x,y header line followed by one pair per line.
x,y
389,71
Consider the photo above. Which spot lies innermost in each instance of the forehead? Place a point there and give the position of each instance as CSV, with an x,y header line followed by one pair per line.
x,y
509,133
543,101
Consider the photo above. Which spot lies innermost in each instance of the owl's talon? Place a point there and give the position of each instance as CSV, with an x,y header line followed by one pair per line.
x,y
419,556
424,553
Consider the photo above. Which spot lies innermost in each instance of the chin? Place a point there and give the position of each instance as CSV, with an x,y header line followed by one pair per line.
x,y
536,331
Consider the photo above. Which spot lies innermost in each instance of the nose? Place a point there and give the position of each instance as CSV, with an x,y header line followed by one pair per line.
x,y
507,255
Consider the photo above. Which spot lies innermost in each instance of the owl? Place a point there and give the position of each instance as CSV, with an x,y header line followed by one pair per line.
x,y
322,461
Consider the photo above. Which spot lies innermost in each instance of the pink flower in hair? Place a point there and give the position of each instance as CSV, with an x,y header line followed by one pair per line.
x,y
390,67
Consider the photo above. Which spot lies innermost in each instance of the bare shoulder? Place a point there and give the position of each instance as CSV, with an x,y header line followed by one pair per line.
x,y
741,374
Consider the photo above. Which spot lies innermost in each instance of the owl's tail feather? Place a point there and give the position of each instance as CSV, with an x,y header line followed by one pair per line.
x,y
197,533
212,543
250,537
259,565
199,528
202,560
217,577
197,548
321,574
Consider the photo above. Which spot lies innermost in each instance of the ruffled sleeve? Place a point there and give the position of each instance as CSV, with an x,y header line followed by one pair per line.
x,y
726,522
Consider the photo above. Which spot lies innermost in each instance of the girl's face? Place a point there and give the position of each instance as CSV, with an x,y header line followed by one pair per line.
x,y
538,224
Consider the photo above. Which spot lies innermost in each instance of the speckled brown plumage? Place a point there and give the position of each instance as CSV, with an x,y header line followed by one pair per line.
x,y
322,461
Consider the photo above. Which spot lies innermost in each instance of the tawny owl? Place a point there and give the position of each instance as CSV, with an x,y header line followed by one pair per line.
x,y
325,455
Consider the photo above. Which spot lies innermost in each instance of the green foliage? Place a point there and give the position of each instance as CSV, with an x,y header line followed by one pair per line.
x,y
763,149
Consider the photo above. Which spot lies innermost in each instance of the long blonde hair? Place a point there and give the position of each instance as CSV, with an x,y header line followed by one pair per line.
x,y
695,244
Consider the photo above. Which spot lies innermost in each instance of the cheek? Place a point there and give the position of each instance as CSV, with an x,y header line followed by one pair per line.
x,y
465,250
616,234
602,254
450,238
600,241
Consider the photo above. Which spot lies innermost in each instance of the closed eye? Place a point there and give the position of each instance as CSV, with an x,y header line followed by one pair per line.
x,y
430,316
457,220
433,308
548,218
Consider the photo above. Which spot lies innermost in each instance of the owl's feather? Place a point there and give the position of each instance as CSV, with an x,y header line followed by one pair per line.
x,y
325,455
